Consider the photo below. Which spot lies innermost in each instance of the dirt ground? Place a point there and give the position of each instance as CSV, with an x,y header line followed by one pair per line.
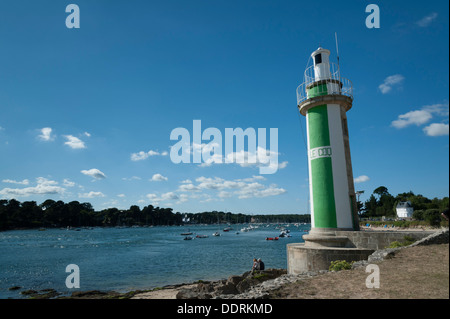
x,y
420,272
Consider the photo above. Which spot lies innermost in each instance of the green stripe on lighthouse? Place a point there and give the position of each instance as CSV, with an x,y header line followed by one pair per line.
x,y
321,170
317,90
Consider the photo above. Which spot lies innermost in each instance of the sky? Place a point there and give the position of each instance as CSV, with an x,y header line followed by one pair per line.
x,y
86,114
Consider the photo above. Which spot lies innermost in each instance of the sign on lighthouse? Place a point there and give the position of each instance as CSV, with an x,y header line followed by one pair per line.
x,y
324,97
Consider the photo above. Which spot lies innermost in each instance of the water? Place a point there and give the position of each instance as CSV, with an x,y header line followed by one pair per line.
x,y
124,259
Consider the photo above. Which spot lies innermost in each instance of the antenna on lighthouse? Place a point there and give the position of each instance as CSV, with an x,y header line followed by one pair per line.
x,y
339,67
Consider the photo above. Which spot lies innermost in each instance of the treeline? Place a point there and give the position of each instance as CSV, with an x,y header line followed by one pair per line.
x,y
382,203
28,214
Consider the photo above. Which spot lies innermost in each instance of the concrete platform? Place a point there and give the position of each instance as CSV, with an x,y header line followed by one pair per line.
x,y
302,258
322,247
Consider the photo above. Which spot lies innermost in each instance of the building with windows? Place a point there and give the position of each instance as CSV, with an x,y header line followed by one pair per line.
x,y
404,210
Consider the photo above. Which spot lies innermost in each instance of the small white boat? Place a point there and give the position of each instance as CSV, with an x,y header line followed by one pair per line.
x,y
216,234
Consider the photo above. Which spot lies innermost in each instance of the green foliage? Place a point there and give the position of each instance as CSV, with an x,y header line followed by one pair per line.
x,y
395,244
407,240
338,265
259,275
433,217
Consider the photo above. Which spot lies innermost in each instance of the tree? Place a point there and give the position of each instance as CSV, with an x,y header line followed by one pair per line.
x,y
380,191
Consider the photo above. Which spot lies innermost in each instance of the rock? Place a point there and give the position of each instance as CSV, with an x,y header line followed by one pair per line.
x,y
227,289
234,280
205,288
233,286
14,288
88,294
192,294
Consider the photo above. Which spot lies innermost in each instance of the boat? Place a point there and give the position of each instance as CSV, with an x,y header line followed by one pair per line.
x,y
201,236
271,238
284,234
187,238
187,233
227,229
216,233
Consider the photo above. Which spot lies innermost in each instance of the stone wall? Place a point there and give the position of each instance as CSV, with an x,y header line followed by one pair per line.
x,y
378,239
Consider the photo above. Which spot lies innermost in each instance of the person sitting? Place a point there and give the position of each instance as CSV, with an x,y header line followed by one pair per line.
x,y
255,265
261,264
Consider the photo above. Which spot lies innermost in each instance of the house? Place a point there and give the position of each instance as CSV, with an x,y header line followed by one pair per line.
x,y
404,210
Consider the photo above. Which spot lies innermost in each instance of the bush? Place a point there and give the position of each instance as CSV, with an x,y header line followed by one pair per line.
x,y
395,244
433,217
418,214
340,265
407,240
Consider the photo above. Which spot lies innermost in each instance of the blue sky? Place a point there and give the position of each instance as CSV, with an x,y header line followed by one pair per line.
x,y
86,114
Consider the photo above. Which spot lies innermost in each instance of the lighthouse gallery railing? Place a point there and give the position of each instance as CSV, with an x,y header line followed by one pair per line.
x,y
331,84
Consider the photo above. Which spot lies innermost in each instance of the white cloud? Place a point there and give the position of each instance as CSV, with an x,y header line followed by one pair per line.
x,y
140,156
423,116
132,178
436,129
74,142
95,173
155,199
24,182
224,194
440,109
426,21
412,118
182,198
121,195
258,190
390,82
46,134
43,186
68,183
253,178
243,188
188,188
87,134
361,179
158,178
91,195
207,189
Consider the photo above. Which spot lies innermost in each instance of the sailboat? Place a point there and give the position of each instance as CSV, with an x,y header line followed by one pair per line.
x,y
217,233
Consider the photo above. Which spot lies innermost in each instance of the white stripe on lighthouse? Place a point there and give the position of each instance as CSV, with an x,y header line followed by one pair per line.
x,y
340,179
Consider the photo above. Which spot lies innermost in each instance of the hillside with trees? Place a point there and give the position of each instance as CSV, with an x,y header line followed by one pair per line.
x,y
28,214
382,203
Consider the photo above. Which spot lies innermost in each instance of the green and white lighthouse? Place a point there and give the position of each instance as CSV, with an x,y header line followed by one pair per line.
x,y
324,97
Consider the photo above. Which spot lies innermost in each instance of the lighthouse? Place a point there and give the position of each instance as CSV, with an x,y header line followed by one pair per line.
x,y
324,98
